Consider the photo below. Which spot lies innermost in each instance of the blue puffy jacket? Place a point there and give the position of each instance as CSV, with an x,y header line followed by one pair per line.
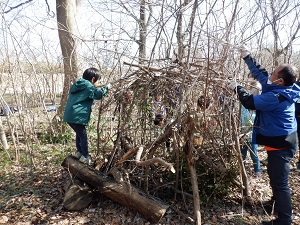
x,y
275,124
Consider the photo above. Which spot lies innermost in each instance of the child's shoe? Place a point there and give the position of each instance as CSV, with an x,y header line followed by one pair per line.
x,y
257,174
86,160
298,166
77,155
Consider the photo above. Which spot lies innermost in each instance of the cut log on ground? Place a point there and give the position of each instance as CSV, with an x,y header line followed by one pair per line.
x,y
121,192
78,195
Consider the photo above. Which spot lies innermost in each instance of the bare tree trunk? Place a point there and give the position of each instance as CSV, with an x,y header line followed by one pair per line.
x,y
142,40
66,22
179,34
194,181
3,137
191,162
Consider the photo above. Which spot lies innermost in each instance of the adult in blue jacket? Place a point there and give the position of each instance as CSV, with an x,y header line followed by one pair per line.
x,y
79,106
275,127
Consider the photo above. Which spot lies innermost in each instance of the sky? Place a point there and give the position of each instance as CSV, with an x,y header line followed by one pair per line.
x,y
33,28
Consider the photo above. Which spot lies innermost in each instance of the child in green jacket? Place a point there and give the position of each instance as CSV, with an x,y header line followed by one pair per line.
x,y
78,109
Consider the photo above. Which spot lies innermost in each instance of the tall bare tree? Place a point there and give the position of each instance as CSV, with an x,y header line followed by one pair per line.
x,y
66,22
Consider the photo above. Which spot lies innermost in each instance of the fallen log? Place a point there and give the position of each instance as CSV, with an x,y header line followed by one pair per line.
x,y
121,192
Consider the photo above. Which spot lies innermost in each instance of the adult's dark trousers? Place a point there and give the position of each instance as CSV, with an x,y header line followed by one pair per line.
x,y
81,138
278,171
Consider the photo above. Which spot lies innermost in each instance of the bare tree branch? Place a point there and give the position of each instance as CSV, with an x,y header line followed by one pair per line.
x,y
17,6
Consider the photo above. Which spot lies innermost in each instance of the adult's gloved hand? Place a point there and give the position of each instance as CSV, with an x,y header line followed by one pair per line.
x,y
233,84
244,51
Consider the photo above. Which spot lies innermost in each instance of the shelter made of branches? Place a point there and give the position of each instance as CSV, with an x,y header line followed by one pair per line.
x,y
212,148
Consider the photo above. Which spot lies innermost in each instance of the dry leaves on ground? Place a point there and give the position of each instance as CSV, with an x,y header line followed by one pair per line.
x,y
34,196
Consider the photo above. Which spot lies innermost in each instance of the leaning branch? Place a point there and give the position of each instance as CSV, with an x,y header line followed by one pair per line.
x,y
17,6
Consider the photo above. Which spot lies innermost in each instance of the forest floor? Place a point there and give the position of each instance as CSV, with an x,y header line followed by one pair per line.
x,y
35,195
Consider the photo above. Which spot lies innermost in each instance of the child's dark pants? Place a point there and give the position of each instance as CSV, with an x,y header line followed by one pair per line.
x,y
81,138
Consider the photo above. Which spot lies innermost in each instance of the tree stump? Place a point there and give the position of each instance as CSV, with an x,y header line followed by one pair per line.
x,y
78,195
121,192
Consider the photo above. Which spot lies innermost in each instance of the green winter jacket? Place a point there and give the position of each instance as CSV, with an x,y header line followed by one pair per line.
x,y
80,100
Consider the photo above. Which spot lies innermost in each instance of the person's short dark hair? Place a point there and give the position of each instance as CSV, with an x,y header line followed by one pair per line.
x,y
158,118
90,73
288,73
203,101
